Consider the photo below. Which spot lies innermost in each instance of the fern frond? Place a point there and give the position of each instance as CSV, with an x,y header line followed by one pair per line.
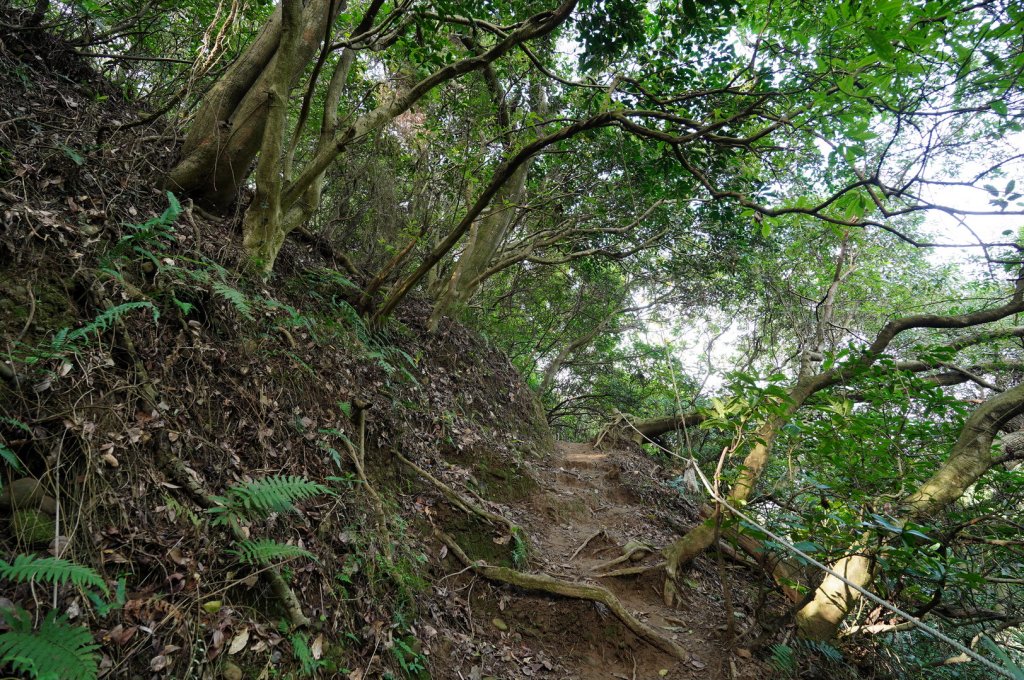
x,y
16,424
261,497
823,648
57,650
236,297
783,659
182,511
11,458
106,320
265,551
50,570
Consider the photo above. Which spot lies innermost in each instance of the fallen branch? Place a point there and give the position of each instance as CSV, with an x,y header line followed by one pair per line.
x,y
581,591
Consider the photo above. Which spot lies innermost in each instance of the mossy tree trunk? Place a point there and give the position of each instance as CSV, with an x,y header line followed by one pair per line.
x,y
245,114
227,133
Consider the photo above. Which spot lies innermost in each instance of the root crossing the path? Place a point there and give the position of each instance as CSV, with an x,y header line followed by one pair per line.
x,y
591,595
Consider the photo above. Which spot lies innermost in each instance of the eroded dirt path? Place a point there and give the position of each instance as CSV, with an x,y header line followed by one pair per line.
x,y
612,499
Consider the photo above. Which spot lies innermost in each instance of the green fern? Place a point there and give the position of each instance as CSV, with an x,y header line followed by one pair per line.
x,y
50,570
261,497
265,551
783,658
181,511
56,651
109,318
16,424
66,340
147,240
302,652
822,648
11,458
236,297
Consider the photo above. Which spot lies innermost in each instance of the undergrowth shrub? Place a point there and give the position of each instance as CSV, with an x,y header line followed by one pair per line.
x,y
259,499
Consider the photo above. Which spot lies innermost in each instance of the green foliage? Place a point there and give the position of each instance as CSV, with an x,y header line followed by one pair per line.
x,y
11,458
67,340
786,659
236,297
266,551
50,570
1011,666
308,665
152,241
147,240
261,497
520,549
412,663
782,658
57,650
103,606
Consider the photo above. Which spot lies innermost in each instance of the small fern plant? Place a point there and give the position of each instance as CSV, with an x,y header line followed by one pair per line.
x,y
68,340
266,551
56,648
260,498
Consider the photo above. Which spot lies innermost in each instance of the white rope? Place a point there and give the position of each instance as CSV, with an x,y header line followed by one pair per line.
x,y
863,591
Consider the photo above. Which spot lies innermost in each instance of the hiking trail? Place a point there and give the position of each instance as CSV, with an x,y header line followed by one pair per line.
x,y
589,506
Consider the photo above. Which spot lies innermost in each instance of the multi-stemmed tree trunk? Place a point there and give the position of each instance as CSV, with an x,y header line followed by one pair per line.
x,y
487,234
224,138
245,115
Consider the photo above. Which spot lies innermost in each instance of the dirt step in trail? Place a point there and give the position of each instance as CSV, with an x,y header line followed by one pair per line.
x,y
589,506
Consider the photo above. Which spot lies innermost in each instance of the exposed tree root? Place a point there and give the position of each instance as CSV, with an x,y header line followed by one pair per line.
x,y
631,552
585,543
632,571
464,504
582,591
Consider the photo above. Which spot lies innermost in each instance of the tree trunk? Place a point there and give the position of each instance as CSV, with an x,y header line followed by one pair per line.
x,y
699,539
226,135
261,230
970,459
486,235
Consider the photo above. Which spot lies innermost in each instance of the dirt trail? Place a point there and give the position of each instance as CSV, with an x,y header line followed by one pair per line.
x,y
612,498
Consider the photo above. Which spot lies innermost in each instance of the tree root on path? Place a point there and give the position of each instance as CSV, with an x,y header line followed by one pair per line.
x,y
632,571
634,551
464,504
581,591
585,543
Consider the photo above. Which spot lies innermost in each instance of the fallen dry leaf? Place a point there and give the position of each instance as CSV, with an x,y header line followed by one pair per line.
x,y
239,642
